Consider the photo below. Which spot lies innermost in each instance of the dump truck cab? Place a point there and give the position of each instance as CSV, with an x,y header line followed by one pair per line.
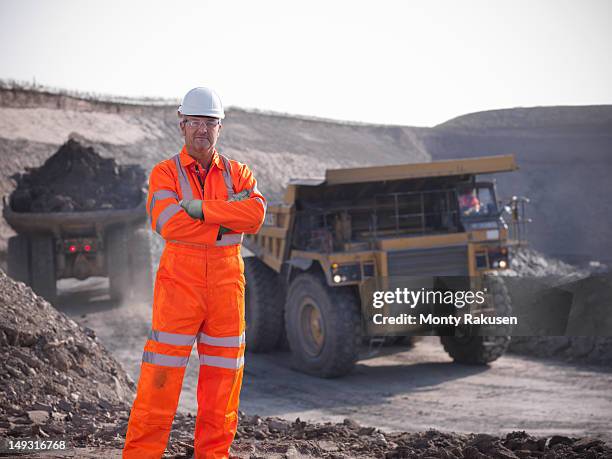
x,y
364,227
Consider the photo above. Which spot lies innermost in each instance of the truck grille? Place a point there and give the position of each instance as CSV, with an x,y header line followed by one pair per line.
x,y
440,261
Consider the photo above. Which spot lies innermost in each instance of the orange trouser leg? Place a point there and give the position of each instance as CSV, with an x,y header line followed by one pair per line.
x,y
178,313
221,350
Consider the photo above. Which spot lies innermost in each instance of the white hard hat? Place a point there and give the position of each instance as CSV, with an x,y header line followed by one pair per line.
x,y
202,102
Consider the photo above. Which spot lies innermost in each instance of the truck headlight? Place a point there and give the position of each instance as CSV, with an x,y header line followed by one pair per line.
x,y
346,273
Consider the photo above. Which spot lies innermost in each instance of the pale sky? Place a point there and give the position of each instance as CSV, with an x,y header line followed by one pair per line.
x,y
414,63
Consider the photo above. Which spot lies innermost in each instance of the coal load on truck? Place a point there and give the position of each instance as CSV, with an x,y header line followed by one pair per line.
x,y
77,179
80,215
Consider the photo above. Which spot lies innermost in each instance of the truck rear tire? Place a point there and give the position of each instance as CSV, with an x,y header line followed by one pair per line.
x,y
323,327
481,350
263,306
18,258
42,266
117,263
140,266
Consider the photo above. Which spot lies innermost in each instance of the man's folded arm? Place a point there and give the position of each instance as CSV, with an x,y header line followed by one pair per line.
x,y
244,215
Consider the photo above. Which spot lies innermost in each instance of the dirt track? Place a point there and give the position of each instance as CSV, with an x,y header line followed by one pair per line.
x,y
411,390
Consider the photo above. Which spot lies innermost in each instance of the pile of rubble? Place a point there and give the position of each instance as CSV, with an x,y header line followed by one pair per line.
x,y
528,262
56,380
579,349
76,178
531,264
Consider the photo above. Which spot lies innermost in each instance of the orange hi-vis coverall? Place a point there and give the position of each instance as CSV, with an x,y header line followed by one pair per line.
x,y
199,295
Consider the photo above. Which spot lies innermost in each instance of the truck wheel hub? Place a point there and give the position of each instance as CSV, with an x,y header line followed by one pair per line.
x,y
312,327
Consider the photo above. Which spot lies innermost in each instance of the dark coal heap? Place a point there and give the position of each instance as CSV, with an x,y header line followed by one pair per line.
x,y
77,179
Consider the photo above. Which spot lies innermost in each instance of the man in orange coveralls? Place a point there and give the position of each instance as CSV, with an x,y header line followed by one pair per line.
x,y
201,203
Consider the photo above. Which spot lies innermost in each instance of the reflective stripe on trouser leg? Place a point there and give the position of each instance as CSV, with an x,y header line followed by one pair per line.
x,y
219,385
177,317
221,345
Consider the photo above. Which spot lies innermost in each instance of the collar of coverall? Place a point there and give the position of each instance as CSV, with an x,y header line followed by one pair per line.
x,y
187,160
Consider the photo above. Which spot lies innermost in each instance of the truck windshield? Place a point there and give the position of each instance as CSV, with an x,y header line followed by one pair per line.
x,y
477,201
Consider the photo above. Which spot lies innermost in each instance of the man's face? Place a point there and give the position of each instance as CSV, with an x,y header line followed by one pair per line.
x,y
200,132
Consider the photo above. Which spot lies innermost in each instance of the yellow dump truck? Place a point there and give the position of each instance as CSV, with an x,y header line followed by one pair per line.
x,y
320,250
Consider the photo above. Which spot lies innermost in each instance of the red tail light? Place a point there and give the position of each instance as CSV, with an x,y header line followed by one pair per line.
x,y
72,248
87,248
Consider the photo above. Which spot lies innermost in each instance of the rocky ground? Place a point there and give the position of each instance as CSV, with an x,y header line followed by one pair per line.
x,y
277,438
59,383
284,439
274,438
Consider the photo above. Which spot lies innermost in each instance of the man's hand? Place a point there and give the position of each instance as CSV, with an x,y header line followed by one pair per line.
x,y
240,196
193,207
237,197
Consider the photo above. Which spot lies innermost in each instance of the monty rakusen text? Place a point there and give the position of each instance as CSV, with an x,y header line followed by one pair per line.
x,y
413,298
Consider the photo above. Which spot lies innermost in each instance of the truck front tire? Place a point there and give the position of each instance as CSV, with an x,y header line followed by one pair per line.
x,y
323,327
42,266
129,265
117,263
18,258
263,306
140,264
474,349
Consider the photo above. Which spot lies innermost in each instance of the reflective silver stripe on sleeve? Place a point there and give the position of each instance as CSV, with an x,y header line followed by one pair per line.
x,y
165,215
255,189
222,362
229,239
176,339
262,202
225,341
164,360
159,195
227,176
183,180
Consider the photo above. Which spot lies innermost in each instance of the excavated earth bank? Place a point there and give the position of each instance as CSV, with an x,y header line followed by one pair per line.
x,y
529,263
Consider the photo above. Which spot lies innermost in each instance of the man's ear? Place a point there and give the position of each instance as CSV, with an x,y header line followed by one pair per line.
x,y
181,124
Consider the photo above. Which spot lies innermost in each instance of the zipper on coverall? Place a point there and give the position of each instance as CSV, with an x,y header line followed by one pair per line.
x,y
197,169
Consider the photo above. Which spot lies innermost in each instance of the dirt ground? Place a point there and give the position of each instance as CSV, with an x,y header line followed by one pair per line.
x,y
400,390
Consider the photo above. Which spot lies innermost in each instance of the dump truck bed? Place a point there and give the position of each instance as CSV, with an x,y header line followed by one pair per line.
x,y
447,168
60,222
